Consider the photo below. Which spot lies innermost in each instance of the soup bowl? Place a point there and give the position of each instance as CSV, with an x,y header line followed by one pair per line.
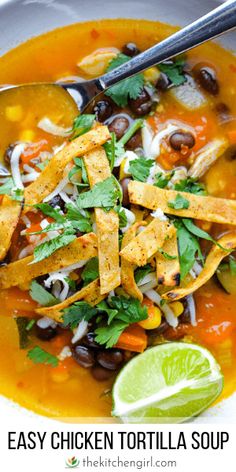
x,y
24,19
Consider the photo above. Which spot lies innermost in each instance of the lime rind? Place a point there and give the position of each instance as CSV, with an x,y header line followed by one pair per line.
x,y
168,383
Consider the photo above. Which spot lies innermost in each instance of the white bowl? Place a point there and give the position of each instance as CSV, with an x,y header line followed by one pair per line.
x,y
23,19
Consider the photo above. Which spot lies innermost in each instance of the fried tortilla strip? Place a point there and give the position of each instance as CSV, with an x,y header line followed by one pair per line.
x,y
54,171
217,210
168,269
207,156
10,211
147,243
127,268
90,293
21,271
107,223
213,259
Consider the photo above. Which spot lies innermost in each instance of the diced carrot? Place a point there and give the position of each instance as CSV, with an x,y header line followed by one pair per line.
x,y
33,150
133,339
232,136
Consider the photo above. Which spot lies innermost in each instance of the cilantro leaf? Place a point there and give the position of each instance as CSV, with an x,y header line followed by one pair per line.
x,y
127,88
167,256
179,203
22,323
162,179
200,233
77,312
190,185
48,210
78,174
114,150
174,71
129,310
140,168
141,272
104,307
188,248
77,220
40,356
123,220
110,334
104,194
82,124
90,271
232,265
47,248
124,311
41,295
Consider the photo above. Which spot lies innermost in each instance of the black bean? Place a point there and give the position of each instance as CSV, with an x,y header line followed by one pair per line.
x,y
45,334
135,142
181,138
163,82
124,185
119,126
83,356
231,153
103,110
100,374
206,77
110,359
130,49
141,105
89,340
57,202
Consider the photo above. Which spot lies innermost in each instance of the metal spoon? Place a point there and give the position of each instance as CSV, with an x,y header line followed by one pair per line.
x,y
209,26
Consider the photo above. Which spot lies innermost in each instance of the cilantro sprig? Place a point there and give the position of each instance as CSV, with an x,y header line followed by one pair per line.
x,y
140,168
174,70
105,194
127,88
40,356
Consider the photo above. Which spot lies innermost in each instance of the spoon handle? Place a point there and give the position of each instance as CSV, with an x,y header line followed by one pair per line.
x,y
214,23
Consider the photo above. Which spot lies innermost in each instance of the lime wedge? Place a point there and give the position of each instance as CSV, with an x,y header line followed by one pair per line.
x,y
168,383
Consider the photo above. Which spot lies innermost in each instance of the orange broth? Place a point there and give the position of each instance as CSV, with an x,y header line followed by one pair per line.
x,y
69,391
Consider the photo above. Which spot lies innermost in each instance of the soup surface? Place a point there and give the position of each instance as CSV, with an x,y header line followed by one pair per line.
x,y
69,390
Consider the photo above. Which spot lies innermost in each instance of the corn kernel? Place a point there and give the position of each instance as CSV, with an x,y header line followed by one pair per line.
x,y
152,74
14,113
177,308
27,135
153,320
122,170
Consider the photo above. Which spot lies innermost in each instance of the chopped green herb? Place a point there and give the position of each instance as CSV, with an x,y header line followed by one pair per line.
x,y
179,203
30,325
192,228
136,125
82,124
162,179
47,248
129,310
90,271
122,217
127,88
188,248
41,295
104,194
167,256
40,356
232,265
22,323
174,70
109,335
77,312
140,168
78,174
191,186
141,272
48,210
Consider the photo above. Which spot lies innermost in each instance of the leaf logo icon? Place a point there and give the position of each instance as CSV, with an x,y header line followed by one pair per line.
x,y
72,462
